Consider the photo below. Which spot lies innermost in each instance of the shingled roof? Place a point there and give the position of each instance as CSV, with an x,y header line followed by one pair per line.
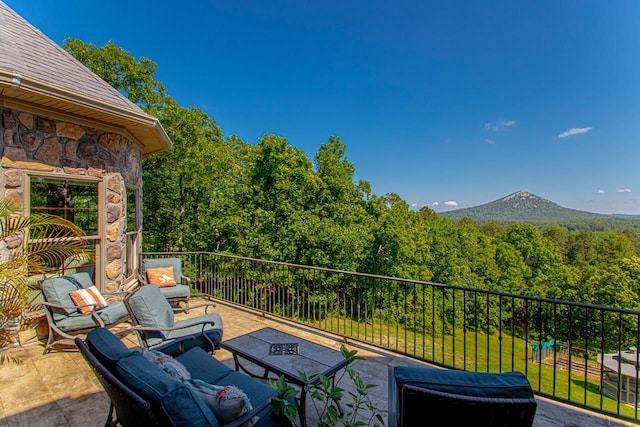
x,y
37,73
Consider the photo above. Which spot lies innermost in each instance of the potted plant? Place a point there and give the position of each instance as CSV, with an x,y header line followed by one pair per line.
x,y
333,406
29,245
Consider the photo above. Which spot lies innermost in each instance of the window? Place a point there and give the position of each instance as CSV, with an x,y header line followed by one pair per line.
x,y
132,236
76,201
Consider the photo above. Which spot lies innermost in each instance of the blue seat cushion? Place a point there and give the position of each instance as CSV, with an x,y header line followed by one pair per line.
x,y
476,384
255,390
113,313
178,291
76,322
202,366
206,368
56,289
107,348
171,345
176,263
151,308
171,397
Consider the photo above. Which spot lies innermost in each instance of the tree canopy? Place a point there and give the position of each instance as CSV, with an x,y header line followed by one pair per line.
x,y
270,200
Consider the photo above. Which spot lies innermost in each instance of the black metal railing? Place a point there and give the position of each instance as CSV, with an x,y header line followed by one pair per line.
x,y
557,344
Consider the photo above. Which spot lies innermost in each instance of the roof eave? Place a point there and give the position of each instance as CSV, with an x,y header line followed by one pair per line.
x,y
145,129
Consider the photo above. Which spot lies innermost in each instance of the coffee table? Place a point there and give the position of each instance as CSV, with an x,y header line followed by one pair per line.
x,y
279,353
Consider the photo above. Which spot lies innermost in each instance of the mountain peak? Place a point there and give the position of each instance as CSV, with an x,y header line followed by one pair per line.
x,y
520,195
520,206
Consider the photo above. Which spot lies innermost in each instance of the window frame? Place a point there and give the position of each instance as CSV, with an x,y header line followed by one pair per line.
x,y
132,237
98,238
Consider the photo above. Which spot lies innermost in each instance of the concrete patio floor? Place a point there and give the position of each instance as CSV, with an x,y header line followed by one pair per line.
x,y
59,389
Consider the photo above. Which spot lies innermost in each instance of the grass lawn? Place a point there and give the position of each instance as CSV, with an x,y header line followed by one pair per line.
x,y
485,353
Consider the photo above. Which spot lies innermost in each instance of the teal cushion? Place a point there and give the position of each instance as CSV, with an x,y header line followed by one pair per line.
x,y
75,322
206,368
176,343
56,289
178,291
477,384
176,263
256,391
151,308
171,398
202,366
214,332
107,347
113,313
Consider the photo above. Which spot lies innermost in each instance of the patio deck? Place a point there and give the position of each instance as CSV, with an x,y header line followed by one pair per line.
x,y
59,389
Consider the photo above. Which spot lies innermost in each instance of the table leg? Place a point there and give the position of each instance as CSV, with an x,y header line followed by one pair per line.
x,y
302,408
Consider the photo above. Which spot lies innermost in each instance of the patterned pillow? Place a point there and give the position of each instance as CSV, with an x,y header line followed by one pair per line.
x,y
170,365
161,276
87,296
226,402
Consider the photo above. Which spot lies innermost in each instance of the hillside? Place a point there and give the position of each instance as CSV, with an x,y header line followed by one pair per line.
x,y
522,206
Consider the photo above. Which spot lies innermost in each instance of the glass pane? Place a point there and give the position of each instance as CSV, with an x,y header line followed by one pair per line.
x,y
131,210
75,201
70,265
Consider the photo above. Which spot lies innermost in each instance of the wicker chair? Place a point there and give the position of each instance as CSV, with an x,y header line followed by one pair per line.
x,y
460,397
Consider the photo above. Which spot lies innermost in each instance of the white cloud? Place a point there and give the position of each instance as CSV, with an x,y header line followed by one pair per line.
x,y
413,205
489,141
624,190
600,191
574,131
435,204
451,203
499,125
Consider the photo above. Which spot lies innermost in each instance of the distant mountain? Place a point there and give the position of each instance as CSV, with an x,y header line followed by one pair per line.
x,y
521,206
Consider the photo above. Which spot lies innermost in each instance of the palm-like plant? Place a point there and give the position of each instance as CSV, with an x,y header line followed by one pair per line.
x,y
30,245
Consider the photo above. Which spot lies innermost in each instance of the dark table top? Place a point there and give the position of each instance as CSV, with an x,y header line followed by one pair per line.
x,y
285,354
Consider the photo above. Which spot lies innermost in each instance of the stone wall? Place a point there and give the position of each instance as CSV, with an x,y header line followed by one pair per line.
x,y
40,144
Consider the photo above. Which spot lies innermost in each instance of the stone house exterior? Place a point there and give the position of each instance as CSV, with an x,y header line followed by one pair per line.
x,y
72,145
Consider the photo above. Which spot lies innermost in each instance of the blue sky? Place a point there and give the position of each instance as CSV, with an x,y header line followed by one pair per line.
x,y
447,104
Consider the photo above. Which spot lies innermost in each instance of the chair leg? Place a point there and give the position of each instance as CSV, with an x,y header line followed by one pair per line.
x,y
110,422
50,340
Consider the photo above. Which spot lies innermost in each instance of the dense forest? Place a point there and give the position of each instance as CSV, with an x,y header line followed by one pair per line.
x,y
269,200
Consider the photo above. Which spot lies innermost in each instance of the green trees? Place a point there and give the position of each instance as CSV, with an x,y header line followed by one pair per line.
x,y
270,200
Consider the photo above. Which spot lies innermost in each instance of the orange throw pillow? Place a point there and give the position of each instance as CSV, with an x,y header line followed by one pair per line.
x,y
163,277
87,296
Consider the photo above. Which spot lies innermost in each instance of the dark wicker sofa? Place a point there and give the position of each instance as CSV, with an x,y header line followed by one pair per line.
x,y
143,394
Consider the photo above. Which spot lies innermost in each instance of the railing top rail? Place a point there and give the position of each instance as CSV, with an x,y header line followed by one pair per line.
x,y
401,280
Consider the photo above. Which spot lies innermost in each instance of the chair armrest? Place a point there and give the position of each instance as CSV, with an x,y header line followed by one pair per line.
x,y
180,340
204,304
71,307
141,280
255,411
173,328
93,313
186,279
